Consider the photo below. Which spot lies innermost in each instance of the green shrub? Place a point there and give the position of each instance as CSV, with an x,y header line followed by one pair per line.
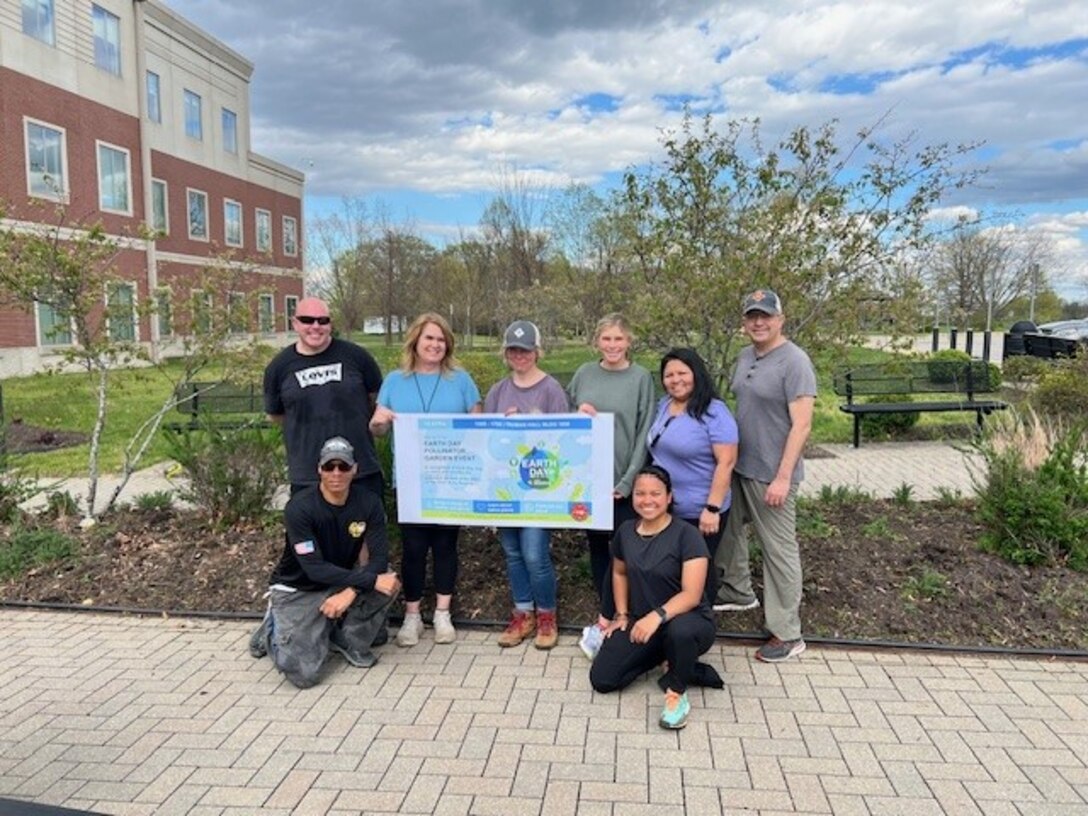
x,y
154,501
1062,390
61,504
233,473
1034,506
14,490
1023,368
28,548
945,366
486,368
895,423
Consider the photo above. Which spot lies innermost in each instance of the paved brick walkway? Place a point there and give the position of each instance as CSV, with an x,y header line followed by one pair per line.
x,y
169,716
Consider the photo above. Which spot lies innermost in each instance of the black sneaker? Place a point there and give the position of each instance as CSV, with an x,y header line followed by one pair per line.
x,y
359,658
258,641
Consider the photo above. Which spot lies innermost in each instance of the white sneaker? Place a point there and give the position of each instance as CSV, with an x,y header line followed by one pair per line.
x,y
591,641
410,630
443,627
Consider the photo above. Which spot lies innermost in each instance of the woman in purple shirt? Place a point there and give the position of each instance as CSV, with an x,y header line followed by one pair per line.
x,y
694,437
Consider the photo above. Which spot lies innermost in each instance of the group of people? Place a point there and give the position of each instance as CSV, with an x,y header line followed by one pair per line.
x,y
690,478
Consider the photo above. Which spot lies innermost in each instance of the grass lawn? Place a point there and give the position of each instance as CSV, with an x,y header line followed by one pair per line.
x,y
66,402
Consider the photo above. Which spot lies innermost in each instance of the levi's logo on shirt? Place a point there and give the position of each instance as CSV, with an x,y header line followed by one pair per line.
x,y
319,375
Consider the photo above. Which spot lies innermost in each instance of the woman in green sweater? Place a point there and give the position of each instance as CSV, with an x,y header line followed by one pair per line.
x,y
614,385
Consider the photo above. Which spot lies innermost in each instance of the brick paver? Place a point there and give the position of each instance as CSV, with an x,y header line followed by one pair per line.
x,y
159,716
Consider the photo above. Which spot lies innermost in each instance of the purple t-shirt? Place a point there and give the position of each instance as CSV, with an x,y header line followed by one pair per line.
x,y
682,445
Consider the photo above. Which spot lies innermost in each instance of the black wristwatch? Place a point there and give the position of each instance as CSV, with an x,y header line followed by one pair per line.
x,y
713,508
660,610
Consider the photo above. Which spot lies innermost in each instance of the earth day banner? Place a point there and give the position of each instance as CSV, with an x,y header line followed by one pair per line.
x,y
489,470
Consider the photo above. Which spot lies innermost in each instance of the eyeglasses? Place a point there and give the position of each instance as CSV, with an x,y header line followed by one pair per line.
x,y
309,320
343,467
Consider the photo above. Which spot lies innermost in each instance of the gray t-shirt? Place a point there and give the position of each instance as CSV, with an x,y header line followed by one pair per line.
x,y
764,387
544,397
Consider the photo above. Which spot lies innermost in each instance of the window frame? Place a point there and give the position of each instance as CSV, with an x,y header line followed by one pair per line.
x,y
61,193
31,13
236,326
61,338
189,193
194,128
108,57
164,311
131,321
229,145
228,204
290,233
159,183
99,146
153,99
290,308
201,311
266,244
266,313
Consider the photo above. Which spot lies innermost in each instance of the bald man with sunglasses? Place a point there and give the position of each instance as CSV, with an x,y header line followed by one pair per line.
x,y
319,387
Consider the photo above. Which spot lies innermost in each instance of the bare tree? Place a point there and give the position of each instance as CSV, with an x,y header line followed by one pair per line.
x,y
340,274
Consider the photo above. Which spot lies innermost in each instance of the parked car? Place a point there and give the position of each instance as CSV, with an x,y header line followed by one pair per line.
x,y
1069,329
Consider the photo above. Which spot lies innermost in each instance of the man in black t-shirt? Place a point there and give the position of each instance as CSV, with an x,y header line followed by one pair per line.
x,y
332,586
320,387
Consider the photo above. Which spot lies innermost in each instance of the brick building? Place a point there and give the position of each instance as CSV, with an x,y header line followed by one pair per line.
x,y
124,113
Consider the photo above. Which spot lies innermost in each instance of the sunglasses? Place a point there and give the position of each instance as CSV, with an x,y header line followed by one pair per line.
x,y
343,467
309,320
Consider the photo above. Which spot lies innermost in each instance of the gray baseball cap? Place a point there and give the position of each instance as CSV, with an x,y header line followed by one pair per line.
x,y
521,334
336,449
763,300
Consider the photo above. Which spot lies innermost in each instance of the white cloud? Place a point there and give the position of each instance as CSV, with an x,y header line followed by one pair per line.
x,y
430,96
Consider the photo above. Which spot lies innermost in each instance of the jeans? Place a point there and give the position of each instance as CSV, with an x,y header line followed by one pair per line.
x,y
529,567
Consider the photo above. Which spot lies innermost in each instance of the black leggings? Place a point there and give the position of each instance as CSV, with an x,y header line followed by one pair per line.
x,y
680,641
416,540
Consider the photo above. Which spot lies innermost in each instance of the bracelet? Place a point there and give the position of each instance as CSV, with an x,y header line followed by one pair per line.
x,y
619,615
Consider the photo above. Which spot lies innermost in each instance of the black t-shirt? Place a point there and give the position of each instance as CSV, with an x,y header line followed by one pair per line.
x,y
324,541
655,564
321,396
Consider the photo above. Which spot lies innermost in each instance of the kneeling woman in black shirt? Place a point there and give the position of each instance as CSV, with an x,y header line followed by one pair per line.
x,y
659,572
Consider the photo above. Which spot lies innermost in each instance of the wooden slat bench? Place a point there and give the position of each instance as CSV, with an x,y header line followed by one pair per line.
x,y
962,382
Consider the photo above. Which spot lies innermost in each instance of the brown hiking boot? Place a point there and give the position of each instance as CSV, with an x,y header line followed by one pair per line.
x,y
547,632
521,626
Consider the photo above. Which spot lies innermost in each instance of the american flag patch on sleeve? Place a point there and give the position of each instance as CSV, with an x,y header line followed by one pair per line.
x,y
304,548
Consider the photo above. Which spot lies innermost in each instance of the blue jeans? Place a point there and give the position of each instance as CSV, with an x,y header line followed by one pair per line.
x,y
529,567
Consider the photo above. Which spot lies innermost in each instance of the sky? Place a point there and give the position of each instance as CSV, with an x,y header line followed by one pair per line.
x,y
420,105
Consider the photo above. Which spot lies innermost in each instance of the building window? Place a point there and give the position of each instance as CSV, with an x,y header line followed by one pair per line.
x,y
264,231
232,223
114,187
290,306
200,309
230,131
237,317
46,175
198,215
54,328
290,236
266,313
38,20
160,213
164,313
121,310
154,97
194,123
107,40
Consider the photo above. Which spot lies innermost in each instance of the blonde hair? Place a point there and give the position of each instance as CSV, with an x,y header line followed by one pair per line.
x,y
408,355
618,321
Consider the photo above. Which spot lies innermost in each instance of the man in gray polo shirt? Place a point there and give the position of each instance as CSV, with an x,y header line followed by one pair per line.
x,y
775,388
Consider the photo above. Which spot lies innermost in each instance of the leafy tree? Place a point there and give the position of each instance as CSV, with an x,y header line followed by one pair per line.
x,y
73,269
832,230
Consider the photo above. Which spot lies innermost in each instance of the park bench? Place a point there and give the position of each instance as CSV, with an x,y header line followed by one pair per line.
x,y
223,404
961,381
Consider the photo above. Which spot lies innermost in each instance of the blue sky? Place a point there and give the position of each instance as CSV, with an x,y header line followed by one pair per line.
x,y
420,104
